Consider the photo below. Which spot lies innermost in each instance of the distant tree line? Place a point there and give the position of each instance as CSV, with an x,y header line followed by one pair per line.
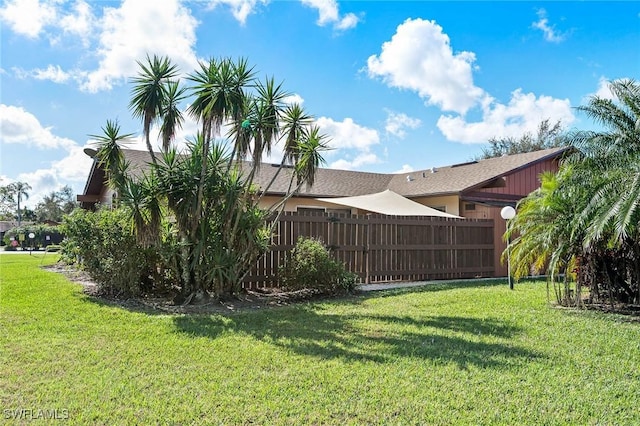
x,y
548,135
52,207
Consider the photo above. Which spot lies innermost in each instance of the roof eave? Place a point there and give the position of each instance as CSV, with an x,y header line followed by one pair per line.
x,y
516,169
92,174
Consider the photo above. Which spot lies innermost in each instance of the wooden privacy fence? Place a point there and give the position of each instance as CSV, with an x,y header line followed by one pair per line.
x,y
386,248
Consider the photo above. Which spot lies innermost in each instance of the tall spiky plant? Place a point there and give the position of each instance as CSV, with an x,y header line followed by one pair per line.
x,y
219,96
171,116
109,155
148,96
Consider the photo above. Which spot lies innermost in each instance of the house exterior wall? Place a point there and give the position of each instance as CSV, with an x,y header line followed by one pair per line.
x,y
524,181
294,202
499,228
518,185
450,202
106,196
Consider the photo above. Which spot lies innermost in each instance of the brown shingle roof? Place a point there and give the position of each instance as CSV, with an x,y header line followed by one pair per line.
x,y
457,178
328,182
345,183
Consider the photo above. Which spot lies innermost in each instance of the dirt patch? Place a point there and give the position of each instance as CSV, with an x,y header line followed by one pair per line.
x,y
632,312
247,300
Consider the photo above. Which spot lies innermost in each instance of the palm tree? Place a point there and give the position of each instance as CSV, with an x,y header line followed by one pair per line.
x,y
149,93
49,207
609,161
220,92
307,159
214,228
145,208
219,96
590,211
19,190
109,154
611,158
545,235
270,106
296,122
295,126
172,118
309,156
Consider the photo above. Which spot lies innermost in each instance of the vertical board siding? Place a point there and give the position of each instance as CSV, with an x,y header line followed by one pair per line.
x,y
523,182
385,248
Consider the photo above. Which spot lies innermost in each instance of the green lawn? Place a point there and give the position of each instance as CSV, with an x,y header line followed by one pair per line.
x,y
464,353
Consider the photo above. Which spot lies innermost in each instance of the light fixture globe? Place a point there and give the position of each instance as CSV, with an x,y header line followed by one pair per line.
x,y
508,212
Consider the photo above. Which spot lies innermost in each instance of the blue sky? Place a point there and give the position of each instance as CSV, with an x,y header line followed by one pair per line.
x,y
398,86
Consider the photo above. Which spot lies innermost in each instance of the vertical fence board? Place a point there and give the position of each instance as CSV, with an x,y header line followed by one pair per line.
x,y
385,248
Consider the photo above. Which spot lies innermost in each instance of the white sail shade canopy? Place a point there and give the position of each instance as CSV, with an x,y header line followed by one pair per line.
x,y
389,203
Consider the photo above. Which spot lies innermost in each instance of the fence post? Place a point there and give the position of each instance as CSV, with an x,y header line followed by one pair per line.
x,y
367,250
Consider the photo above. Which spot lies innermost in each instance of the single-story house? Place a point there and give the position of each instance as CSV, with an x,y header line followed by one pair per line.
x,y
474,189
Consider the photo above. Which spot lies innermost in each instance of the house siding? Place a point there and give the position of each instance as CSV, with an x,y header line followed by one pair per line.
x,y
523,181
294,202
518,185
499,228
451,202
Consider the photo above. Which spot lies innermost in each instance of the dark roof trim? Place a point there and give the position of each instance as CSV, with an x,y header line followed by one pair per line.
x,y
480,197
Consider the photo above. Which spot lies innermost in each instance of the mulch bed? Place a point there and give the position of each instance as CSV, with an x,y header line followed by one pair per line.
x,y
247,300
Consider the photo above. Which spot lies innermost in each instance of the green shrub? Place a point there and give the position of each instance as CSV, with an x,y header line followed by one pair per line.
x,y
103,243
310,266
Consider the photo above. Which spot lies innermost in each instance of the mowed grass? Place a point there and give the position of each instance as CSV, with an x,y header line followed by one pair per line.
x,y
462,353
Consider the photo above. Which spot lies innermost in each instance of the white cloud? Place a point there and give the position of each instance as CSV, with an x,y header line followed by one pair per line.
x,y
523,114
348,21
293,99
21,127
347,134
135,29
603,91
328,13
419,57
240,9
80,23
74,167
52,72
72,170
28,17
405,169
351,141
360,160
396,123
549,31
42,182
